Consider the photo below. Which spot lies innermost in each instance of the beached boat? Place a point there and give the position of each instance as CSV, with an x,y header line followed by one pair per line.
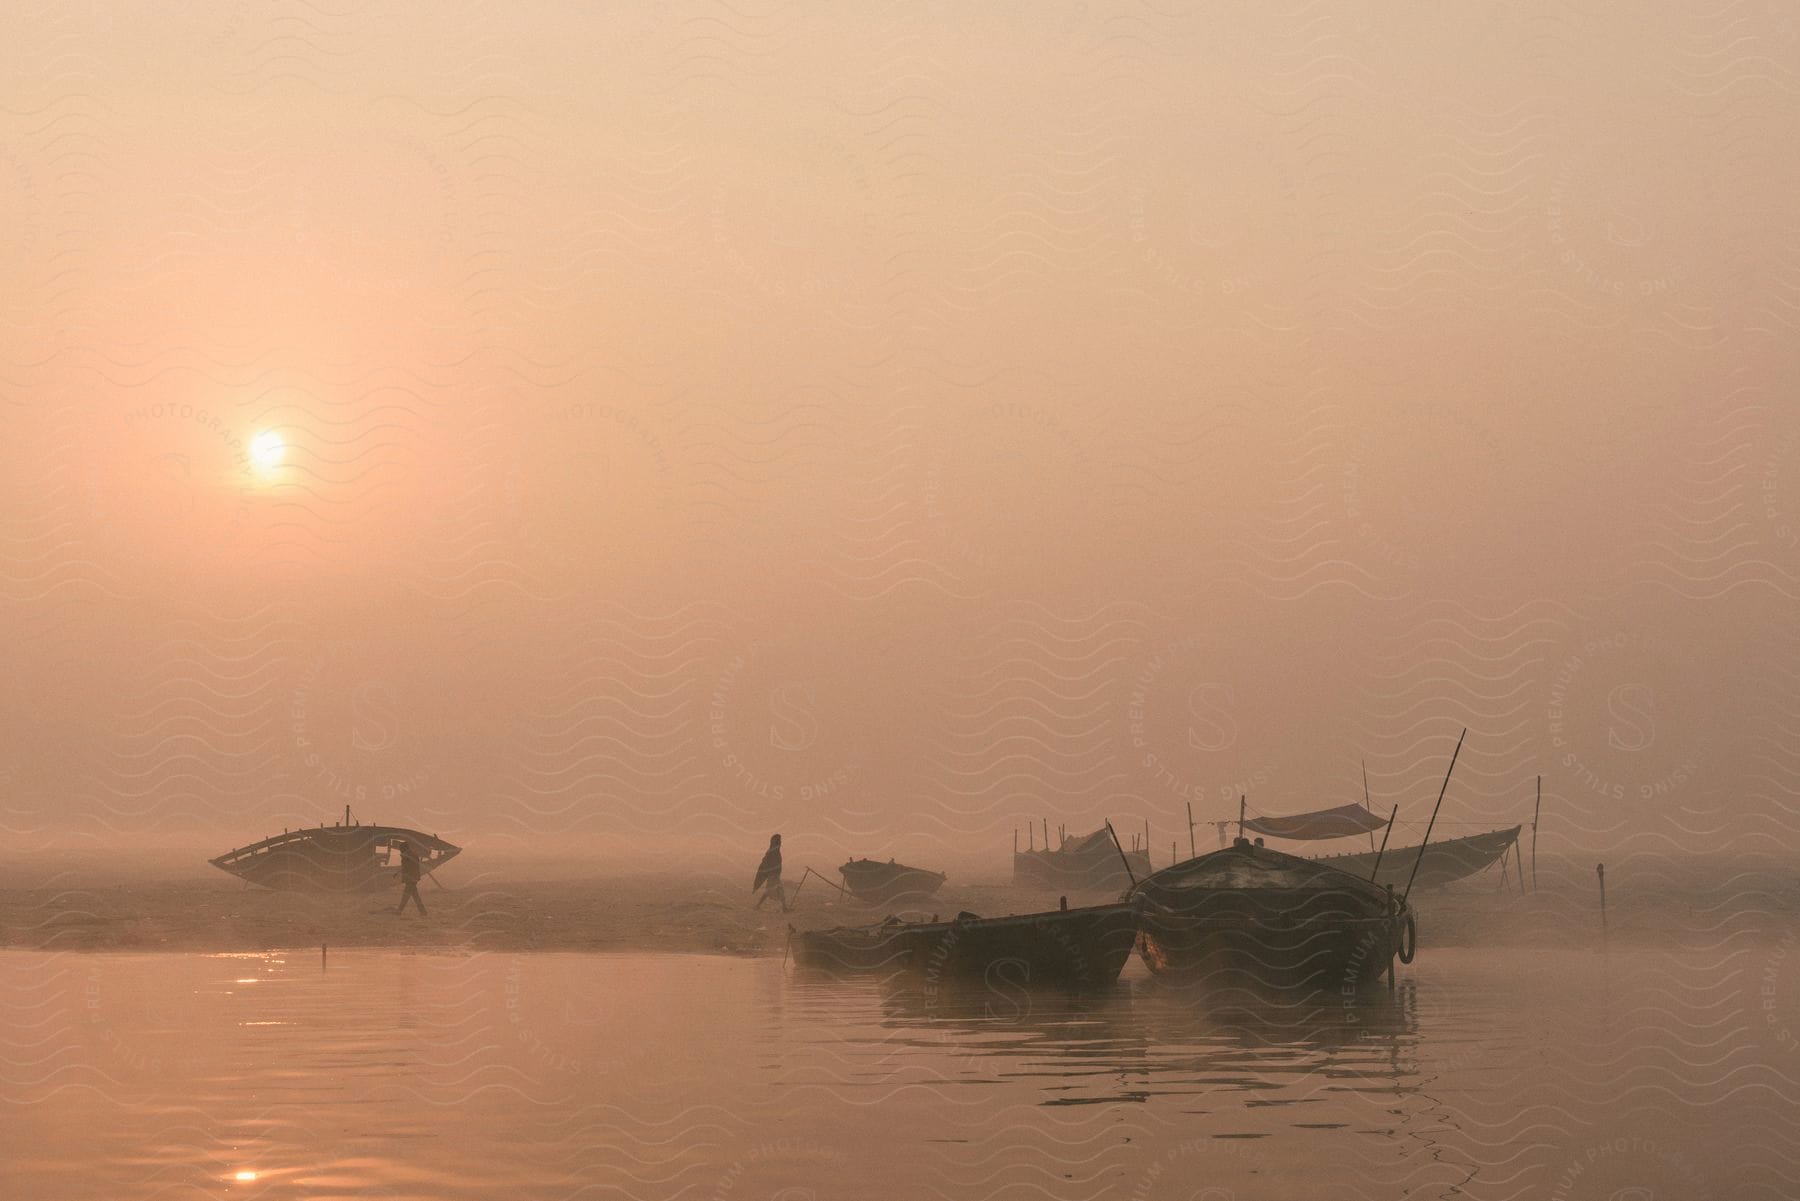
x,y
877,883
1090,862
1250,917
1081,949
346,857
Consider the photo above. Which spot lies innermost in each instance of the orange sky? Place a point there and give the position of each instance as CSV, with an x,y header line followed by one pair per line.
x,y
697,421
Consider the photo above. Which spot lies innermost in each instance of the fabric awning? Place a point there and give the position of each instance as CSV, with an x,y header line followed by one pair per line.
x,y
1341,822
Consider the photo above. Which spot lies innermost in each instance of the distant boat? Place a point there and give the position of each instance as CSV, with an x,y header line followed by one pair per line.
x,y
1080,949
347,857
879,883
1262,920
1090,862
1443,862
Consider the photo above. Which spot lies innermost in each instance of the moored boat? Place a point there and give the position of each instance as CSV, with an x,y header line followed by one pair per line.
x,y
879,883
1090,862
1443,862
1250,917
1080,949
347,857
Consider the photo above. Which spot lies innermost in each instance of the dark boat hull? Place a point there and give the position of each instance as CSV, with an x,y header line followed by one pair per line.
x,y
876,883
1262,956
1265,921
334,858
1075,949
1443,862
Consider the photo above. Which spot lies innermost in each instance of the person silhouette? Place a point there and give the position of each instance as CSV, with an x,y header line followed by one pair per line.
x,y
409,877
768,876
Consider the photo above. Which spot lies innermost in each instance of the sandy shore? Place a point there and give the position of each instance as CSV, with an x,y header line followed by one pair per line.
x,y
714,915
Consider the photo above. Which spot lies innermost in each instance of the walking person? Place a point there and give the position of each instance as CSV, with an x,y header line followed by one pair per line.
x,y
768,876
409,877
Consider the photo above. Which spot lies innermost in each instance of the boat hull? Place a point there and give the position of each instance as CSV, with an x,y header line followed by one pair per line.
x,y
876,883
1269,956
1442,863
1074,949
334,858
1257,919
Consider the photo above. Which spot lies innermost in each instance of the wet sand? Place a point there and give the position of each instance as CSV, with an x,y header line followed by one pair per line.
x,y
713,914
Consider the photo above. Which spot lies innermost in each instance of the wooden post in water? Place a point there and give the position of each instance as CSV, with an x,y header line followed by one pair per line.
x,y
1174,855
1534,820
1242,802
1192,853
1015,840
1600,874
1046,833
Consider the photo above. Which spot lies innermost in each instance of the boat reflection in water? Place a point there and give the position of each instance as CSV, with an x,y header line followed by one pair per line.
x,y
1080,949
1137,1041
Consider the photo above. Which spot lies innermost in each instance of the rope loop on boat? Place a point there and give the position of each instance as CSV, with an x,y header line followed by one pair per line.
x,y
1409,939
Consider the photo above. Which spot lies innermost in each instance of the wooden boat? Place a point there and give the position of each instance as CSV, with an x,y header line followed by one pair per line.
x,y
1250,917
346,857
1090,862
1080,949
884,883
1441,863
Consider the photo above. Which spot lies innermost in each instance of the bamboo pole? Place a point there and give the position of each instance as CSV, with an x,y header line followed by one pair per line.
x,y
1366,809
1384,841
1192,853
1121,850
1534,821
1434,812
1243,801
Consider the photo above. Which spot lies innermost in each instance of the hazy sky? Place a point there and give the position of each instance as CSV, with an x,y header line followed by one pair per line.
x,y
645,429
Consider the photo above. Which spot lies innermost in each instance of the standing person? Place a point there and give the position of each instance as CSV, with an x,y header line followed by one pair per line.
x,y
768,876
409,876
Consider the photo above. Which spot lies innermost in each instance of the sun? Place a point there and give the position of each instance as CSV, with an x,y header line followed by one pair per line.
x,y
267,450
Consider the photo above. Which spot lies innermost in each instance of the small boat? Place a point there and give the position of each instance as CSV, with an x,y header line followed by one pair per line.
x,y
1080,949
1440,863
346,857
879,883
1090,862
1250,917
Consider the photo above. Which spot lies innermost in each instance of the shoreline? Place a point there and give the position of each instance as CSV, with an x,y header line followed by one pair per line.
x,y
715,916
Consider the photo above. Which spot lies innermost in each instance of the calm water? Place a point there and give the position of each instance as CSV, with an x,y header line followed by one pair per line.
x,y
386,1074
